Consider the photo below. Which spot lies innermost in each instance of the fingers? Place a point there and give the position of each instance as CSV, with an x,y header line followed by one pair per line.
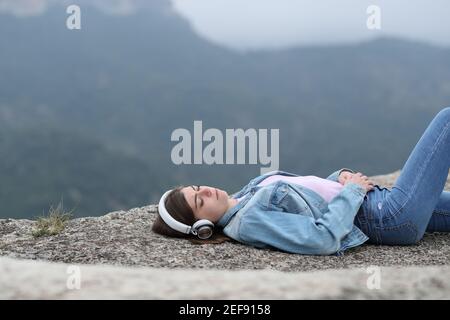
x,y
364,177
358,178
363,180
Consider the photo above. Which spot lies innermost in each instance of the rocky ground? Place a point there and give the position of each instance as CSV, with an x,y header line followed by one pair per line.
x,y
124,238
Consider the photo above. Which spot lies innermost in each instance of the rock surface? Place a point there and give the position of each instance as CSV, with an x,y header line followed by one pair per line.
x,y
124,238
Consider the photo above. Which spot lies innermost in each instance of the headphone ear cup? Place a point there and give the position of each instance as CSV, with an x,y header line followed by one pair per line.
x,y
204,232
203,229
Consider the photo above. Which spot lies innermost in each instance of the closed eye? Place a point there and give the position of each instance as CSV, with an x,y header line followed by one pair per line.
x,y
201,200
195,197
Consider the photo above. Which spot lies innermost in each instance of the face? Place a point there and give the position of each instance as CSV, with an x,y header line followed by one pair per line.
x,y
206,202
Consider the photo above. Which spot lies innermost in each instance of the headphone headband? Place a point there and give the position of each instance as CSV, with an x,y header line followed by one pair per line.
x,y
168,219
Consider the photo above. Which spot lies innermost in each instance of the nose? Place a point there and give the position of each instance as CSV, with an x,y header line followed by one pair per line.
x,y
206,191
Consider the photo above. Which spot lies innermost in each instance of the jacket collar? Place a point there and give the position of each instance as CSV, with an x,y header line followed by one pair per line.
x,y
232,211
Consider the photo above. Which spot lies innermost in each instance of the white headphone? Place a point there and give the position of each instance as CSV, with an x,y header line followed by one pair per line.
x,y
202,228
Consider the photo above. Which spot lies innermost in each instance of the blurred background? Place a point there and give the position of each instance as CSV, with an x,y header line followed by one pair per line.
x,y
86,115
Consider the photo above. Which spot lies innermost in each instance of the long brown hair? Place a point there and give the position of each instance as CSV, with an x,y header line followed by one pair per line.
x,y
180,210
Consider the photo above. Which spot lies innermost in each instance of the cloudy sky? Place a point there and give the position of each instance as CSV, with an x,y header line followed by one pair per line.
x,y
254,24
251,24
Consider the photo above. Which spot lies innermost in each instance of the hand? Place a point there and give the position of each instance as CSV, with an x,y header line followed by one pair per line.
x,y
361,180
344,176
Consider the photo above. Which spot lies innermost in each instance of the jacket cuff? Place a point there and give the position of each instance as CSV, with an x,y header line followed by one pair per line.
x,y
335,175
356,188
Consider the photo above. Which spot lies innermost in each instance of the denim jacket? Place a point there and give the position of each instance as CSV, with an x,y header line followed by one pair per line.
x,y
295,219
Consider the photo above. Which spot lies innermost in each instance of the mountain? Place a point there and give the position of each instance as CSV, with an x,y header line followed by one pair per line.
x,y
123,83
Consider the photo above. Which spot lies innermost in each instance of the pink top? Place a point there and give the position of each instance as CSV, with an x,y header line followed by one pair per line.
x,y
326,188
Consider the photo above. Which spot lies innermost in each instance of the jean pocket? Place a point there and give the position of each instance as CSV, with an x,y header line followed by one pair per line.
x,y
374,205
382,206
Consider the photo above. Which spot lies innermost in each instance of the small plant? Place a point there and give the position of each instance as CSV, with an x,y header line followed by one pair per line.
x,y
53,223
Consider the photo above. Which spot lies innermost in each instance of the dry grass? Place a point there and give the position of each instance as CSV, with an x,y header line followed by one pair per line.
x,y
53,223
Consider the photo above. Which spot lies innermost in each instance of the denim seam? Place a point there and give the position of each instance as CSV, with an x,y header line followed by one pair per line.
x,y
377,233
396,227
421,171
442,213
239,227
368,226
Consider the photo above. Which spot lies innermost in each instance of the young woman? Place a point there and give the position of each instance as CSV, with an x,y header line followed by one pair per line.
x,y
311,215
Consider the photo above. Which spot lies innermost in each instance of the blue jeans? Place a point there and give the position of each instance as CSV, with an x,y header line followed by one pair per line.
x,y
417,203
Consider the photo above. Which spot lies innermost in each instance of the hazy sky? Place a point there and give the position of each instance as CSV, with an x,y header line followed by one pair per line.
x,y
253,24
250,24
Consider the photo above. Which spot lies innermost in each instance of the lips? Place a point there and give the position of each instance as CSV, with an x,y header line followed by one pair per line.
x,y
217,194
